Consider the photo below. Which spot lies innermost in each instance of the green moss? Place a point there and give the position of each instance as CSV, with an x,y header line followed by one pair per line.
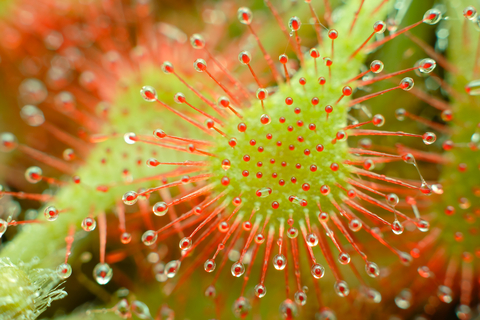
x,y
26,290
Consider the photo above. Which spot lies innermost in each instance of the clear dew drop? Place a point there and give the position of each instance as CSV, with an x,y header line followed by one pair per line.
x,y
447,115
32,115
125,237
429,138
408,158
65,102
379,26
102,273
279,262
405,258
372,269
238,269
244,15
294,23
197,41
470,13
427,65
432,16
122,309
51,213
407,83
179,98
312,239
422,225
141,310
400,114
68,154
148,93
376,66
160,208
344,258
209,265
260,290
325,314
369,165
259,238
8,142
129,137
172,267
33,174
378,120
3,227
159,271
397,227
130,198
444,293
288,309
355,225
392,199
223,226
244,57
149,237
473,88
373,295
167,67
241,307
341,288
292,232
185,243
404,299
424,272
300,298
64,271
200,65
463,312
33,91
318,271
263,192
89,224
210,292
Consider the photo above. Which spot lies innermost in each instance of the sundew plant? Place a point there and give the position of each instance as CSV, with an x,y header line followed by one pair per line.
x,y
260,160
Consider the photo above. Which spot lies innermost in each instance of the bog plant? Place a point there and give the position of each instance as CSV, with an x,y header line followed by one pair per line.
x,y
265,170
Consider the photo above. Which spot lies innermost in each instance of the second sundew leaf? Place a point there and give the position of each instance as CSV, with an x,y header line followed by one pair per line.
x,y
460,200
456,212
447,253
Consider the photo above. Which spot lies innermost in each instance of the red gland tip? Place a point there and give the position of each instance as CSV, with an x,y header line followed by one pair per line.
x,y
200,65
225,181
347,91
333,34
314,53
244,57
283,58
294,23
379,26
242,127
